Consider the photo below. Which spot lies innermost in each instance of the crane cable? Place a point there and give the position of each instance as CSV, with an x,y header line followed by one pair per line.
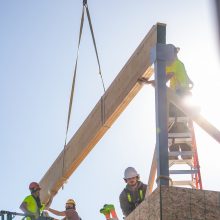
x,y
85,8
93,39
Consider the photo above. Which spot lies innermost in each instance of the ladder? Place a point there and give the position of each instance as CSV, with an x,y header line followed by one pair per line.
x,y
183,156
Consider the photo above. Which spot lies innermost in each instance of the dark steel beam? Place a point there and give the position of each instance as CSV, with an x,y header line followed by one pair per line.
x,y
161,108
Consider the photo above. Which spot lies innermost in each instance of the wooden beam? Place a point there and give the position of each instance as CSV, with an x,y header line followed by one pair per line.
x,y
122,90
152,174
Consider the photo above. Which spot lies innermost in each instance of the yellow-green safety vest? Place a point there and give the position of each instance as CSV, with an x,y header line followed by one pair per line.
x,y
32,205
140,194
180,78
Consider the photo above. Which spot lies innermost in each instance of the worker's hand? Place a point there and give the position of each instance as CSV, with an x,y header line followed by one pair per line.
x,y
32,215
47,205
144,80
191,84
36,215
45,214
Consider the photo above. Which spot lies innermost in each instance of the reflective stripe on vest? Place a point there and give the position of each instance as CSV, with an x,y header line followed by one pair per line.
x,y
129,197
140,194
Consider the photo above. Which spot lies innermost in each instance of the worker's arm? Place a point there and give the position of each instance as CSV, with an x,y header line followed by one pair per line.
x,y
144,80
152,82
169,76
47,205
23,207
124,204
55,212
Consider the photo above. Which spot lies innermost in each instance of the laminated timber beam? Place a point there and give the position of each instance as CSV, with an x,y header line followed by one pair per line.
x,y
120,93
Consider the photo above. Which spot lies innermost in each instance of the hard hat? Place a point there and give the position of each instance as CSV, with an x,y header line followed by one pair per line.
x,y
177,49
70,201
130,172
34,186
173,48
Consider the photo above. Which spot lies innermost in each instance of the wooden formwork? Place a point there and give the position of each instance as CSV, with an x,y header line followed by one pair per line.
x,y
175,203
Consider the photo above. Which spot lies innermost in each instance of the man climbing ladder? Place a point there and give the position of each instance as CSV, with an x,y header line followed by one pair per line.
x,y
181,137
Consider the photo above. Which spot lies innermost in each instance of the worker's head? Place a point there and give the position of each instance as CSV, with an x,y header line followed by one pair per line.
x,y
34,188
131,176
171,54
70,204
177,49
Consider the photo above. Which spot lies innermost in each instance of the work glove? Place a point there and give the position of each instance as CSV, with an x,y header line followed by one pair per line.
x,y
191,84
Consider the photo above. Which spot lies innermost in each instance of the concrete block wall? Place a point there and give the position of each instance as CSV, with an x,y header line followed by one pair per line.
x,y
176,203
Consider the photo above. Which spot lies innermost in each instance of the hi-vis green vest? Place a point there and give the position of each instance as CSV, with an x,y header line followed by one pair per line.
x,y
140,193
32,206
180,78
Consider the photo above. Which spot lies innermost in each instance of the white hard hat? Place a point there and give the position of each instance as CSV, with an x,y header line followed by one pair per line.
x,y
130,172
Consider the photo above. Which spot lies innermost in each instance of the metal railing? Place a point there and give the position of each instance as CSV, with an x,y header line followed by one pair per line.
x,y
7,215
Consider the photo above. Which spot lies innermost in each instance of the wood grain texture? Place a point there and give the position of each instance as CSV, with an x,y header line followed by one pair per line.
x,y
120,93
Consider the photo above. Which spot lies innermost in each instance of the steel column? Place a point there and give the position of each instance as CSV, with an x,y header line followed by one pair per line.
x,y
161,108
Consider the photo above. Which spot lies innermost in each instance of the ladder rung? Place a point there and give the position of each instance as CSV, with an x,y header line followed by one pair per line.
x,y
182,153
179,135
178,119
180,161
183,171
180,140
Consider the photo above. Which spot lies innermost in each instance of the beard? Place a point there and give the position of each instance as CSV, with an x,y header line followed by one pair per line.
x,y
133,183
72,207
67,208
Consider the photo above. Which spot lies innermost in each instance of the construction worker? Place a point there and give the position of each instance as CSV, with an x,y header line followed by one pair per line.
x,y
31,205
179,80
70,213
134,192
176,73
181,84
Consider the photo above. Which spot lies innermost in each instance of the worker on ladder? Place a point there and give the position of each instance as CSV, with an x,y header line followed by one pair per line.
x,y
32,205
180,82
178,78
176,72
134,192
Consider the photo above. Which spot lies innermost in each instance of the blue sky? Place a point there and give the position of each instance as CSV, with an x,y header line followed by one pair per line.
x,y
38,41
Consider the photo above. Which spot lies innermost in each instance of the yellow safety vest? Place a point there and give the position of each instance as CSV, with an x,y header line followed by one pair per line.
x,y
32,206
140,194
180,78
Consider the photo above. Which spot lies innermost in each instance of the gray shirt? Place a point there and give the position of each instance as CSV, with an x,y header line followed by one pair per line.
x,y
128,206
